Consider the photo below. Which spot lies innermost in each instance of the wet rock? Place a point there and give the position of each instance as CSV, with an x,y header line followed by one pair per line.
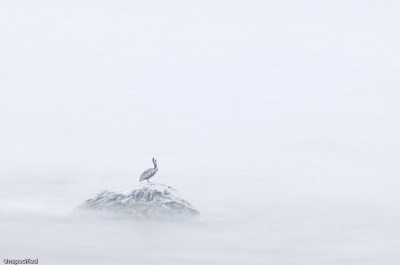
x,y
149,201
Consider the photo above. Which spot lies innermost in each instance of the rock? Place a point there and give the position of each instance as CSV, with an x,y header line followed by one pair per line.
x,y
149,201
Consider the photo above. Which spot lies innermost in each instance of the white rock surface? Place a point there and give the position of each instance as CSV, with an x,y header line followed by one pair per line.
x,y
149,201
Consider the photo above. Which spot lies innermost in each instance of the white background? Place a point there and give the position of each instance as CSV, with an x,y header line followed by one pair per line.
x,y
278,120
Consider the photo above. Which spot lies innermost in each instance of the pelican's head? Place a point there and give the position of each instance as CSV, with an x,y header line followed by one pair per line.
x,y
154,161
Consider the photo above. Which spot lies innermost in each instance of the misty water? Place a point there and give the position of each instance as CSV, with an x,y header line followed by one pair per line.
x,y
279,122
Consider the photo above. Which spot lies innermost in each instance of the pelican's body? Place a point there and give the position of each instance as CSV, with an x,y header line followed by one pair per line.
x,y
150,172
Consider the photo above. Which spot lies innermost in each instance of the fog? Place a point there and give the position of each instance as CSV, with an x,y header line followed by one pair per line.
x,y
277,120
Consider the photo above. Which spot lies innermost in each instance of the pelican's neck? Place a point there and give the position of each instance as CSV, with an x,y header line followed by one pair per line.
x,y
155,165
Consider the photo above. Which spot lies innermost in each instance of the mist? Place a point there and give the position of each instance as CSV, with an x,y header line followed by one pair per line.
x,y
278,121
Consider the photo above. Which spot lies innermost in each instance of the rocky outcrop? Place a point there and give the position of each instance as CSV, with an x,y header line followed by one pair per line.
x,y
149,201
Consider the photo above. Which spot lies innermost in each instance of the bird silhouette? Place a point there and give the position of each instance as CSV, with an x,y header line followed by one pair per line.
x,y
150,172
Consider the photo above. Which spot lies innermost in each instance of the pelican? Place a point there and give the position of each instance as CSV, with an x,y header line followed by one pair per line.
x,y
150,172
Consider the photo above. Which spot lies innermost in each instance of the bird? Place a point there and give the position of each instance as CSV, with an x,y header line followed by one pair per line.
x,y
150,172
